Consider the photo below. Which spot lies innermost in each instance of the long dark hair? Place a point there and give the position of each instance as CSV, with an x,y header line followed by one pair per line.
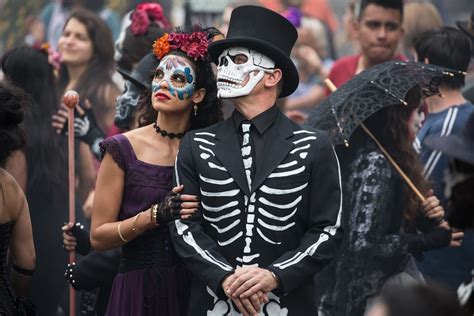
x,y
98,74
12,104
390,126
28,69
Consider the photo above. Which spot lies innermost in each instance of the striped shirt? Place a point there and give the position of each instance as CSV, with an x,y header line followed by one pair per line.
x,y
443,123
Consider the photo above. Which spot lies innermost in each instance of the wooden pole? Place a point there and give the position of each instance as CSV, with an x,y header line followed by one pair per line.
x,y
333,88
71,99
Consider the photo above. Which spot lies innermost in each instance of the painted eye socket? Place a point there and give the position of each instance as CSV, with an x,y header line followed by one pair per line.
x,y
159,74
239,59
178,79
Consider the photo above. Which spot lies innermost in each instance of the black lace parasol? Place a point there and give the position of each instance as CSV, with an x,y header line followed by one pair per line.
x,y
373,89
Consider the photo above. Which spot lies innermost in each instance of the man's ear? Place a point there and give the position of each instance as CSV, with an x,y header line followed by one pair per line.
x,y
273,78
198,95
426,61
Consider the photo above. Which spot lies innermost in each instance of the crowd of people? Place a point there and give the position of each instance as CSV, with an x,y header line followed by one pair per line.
x,y
240,168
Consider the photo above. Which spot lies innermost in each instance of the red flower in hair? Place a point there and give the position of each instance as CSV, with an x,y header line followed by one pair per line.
x,y
194,44
146,13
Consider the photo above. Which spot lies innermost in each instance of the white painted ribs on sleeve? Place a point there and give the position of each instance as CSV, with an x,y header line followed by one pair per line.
x,y
189,239
301,255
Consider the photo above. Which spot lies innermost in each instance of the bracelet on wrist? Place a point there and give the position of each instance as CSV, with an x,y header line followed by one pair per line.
x,y
134,228
154,214
120,233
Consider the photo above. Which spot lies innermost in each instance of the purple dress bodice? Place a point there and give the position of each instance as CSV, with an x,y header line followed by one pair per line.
x,y
145,183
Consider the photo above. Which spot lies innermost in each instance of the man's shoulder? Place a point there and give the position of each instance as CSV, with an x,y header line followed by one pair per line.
x,y
206,131
345,61
343,69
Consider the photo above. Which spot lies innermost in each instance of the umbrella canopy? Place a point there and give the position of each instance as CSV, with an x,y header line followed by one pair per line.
x,y
373,89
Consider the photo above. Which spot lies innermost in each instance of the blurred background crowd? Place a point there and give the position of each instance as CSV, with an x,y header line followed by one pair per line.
x,y
98,43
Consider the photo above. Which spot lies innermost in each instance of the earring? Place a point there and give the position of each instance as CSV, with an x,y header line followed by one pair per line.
x,y
195,107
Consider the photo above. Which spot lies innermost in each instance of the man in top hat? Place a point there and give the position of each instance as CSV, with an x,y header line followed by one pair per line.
x,y
270,190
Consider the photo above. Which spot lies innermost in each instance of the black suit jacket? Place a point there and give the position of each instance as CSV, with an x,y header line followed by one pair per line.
x,y
288,221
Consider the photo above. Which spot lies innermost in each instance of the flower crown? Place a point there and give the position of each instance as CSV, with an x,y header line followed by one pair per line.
x,y
193,44
146,13
54,57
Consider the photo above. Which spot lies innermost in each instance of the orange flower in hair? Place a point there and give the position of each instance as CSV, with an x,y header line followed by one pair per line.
x,y
161,46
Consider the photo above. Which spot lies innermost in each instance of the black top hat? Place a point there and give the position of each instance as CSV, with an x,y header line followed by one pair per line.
x,y
459,146
268,33
143,71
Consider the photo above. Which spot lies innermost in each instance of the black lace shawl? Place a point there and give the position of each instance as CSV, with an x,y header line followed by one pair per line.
x,y
373,248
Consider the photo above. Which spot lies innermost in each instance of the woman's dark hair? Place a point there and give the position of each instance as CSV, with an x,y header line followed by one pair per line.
x,y
209,110
98,74
390,126
28,69
12,104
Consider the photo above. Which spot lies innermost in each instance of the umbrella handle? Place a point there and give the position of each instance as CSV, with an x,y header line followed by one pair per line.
x,y
333,88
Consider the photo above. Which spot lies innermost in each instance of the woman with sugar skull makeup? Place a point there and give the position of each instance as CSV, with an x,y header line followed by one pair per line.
x,y
269,189
132,204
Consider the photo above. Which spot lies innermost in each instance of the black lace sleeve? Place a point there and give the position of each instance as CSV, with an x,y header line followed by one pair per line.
x,y
112,146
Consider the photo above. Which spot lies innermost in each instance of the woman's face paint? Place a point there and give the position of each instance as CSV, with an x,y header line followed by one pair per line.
x,y
178,74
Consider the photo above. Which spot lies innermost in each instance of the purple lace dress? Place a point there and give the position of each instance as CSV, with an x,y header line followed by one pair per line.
x,y
151,279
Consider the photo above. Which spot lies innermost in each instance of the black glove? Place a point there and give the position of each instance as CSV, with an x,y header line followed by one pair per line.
x,y
95,270
437,238
87,130
83,244
168,210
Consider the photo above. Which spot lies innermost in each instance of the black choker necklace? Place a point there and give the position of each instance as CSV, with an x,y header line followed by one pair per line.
x,y
164,133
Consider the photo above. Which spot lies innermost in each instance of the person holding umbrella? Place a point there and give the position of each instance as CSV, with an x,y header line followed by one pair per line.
x,y
381,212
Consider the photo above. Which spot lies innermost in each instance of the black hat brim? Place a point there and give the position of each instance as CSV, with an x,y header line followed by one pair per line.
x,y
282,61
130,77
452,146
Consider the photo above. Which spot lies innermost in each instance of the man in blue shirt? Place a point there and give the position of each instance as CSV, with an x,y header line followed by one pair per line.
x,y
447,114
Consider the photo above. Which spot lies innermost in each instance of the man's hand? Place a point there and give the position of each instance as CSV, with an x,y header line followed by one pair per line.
x,y
247,306
248,281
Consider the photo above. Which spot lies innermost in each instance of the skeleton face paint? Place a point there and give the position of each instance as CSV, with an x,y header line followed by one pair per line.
x,y
179,76
125,105
239,71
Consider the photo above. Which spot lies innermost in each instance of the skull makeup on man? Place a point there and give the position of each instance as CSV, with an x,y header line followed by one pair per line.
x,y
240,70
